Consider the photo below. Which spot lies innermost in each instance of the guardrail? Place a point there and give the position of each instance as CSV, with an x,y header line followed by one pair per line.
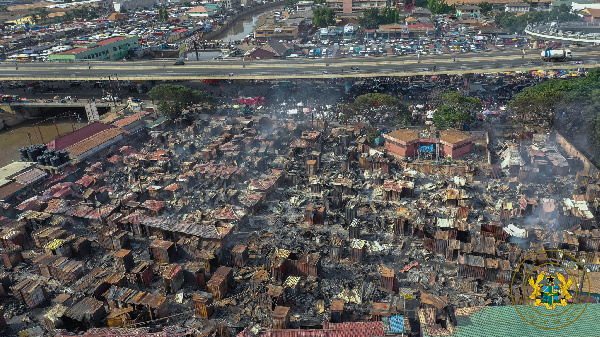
x,y
560,38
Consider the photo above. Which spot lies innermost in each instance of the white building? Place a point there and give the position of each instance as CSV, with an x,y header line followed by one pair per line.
x,y
517,7
303,6
131,5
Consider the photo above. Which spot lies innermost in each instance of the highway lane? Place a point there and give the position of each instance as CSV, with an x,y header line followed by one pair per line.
x,y
300,68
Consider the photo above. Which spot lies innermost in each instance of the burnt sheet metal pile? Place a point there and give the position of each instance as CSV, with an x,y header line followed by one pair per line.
x,y
245,225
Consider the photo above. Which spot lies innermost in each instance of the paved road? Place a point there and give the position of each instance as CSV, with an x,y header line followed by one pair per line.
x,y
303,68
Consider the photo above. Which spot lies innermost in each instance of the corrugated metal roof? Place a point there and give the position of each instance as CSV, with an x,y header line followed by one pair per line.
x,y
91,142
77,136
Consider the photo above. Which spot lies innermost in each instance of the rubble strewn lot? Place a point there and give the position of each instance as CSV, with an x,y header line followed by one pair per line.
x,y
242,225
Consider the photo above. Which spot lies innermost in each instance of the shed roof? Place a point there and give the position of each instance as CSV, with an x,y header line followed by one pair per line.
x,y
74,137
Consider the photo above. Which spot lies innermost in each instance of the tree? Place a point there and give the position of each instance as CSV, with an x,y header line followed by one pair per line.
x,y
537,105
323,17
123,10
173,99
42,13
454,109
187,4
370,18
373,17
34,17
513,23
388,15
486,7
290,3
448,116
440,7
374,106
421,3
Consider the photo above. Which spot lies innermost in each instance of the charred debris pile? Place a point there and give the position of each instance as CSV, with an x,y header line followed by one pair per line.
x,y
245,225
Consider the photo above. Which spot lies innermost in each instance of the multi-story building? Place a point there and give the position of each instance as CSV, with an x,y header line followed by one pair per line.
x,y
468,11
110,49
232,4
352,6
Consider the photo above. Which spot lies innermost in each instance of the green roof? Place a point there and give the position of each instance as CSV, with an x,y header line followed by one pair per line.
x,y
505,321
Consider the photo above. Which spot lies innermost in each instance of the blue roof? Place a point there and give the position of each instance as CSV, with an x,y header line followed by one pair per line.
x,y
393,324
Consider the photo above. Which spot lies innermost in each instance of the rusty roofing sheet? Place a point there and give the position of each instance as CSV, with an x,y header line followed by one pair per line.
x,y
161,244
79,211
85,181
94,141
31,176
154,205
130,119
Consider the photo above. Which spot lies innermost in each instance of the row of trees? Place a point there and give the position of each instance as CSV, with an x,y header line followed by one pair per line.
x,y
517,23
571,106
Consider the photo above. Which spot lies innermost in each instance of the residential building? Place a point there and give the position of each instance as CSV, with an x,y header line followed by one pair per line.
x,y
517,7
353,6
590,14
231,4
113,48
464,11
200,12
303,6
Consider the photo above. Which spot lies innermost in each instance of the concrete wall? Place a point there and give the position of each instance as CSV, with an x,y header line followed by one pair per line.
x,y
588,167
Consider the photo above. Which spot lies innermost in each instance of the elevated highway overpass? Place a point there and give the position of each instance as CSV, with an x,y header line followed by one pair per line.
x,y
493,61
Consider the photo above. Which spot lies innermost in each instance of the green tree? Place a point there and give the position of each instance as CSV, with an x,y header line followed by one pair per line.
x,y
42,12
371,134
323,17
388,15
440,7
374,105
537,105
454,109
173,99
369,19
123,10
290,3
34,16
421,3
187,4
486,7
514,24
373,17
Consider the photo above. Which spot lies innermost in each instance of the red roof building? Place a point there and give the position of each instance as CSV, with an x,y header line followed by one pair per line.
x,y
74,137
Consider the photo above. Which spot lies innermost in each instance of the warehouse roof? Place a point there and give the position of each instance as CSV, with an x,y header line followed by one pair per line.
x,y
94,141
69,139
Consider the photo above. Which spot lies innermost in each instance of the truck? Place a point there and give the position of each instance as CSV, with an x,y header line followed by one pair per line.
x,y
553,55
